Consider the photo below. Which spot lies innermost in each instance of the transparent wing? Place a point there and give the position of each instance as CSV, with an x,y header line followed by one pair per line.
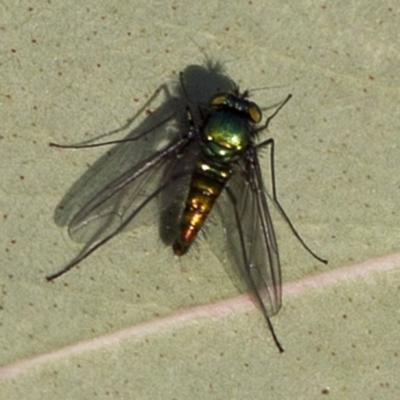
x,y
250,231
124,200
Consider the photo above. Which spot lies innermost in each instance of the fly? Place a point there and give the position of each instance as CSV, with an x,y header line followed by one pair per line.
x,y
221,152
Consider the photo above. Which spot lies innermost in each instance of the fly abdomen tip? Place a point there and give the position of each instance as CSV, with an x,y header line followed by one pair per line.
x,y
179,248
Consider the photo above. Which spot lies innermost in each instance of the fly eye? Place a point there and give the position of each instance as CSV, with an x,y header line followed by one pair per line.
x,y
255,113
218,99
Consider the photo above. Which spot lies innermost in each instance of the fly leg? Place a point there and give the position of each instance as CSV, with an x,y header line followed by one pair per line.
x,y
270,143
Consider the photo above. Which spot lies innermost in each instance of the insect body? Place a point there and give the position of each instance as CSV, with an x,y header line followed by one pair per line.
x,y
225,136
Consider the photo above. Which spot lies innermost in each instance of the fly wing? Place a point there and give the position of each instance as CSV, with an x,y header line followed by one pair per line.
x,y
252,235
123,200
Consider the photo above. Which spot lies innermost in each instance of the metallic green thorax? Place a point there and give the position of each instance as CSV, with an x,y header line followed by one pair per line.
x,y
225,135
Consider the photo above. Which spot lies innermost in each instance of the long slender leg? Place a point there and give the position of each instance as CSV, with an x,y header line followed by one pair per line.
x,y
89,143
270,142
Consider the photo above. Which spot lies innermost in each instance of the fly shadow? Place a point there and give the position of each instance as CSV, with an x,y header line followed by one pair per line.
x,y
165,124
